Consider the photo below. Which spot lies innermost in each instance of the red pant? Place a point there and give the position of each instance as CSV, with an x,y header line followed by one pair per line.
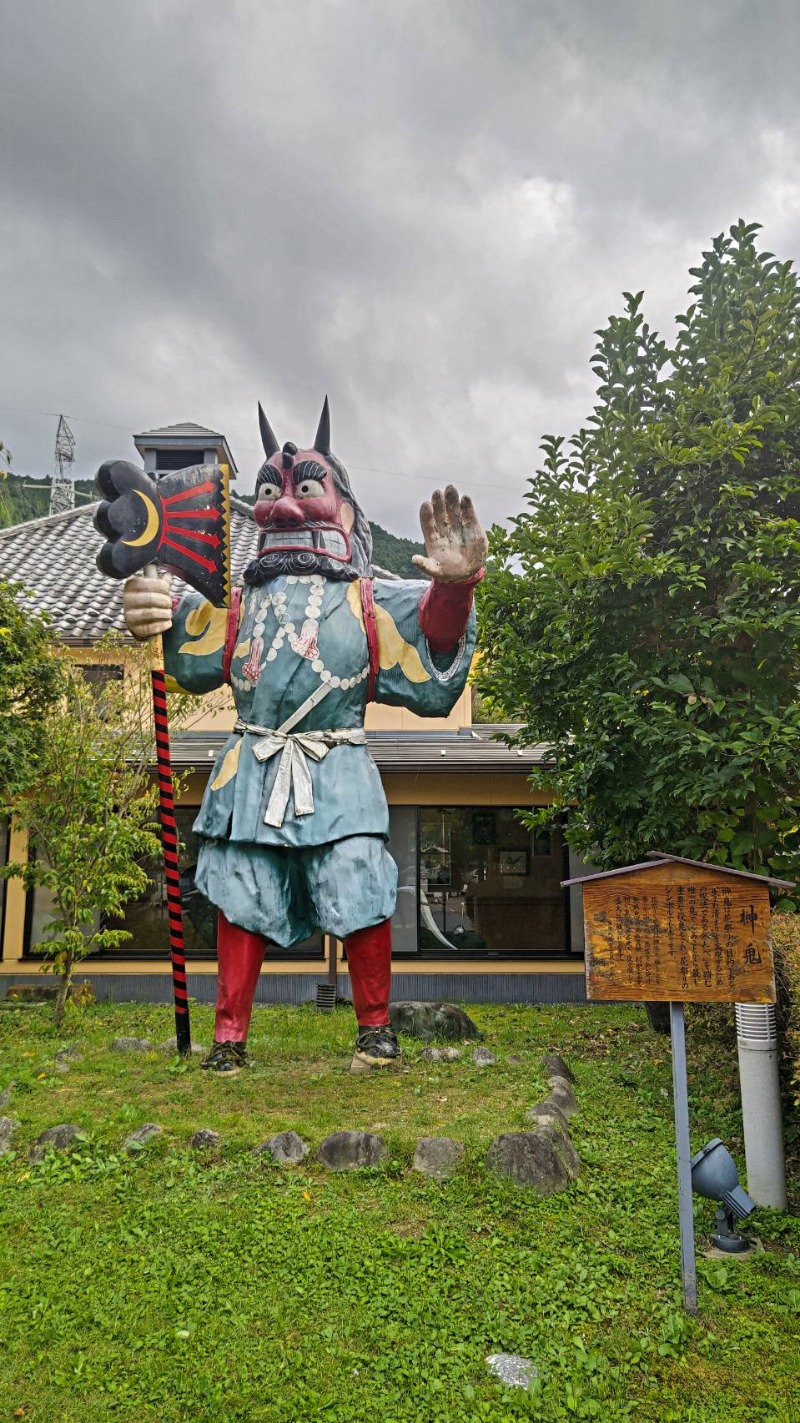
x,y
241,954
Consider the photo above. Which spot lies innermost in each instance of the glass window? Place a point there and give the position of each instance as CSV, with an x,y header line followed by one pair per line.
x,y
485,885
403,850
40,910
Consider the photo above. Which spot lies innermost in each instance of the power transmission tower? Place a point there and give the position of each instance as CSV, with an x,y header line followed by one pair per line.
x,y
62,490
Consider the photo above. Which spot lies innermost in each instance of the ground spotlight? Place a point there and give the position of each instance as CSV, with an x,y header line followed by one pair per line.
x,y
714,1176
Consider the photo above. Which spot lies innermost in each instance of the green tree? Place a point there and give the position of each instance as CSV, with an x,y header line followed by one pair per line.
x,y
30,683
90,816
643,617
6,507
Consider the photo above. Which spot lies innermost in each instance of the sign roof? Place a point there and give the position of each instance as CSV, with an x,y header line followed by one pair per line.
x,y
660,857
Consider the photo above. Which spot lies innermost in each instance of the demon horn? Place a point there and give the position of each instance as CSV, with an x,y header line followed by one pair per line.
x,y
268,440
322,439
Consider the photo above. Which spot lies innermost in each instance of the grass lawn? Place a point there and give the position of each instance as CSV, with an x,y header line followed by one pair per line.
x,y
215,1288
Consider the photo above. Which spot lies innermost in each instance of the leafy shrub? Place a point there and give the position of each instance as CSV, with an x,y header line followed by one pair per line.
x,y
786,944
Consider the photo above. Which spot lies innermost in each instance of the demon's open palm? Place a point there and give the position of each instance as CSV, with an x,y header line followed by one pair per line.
x,y
455,543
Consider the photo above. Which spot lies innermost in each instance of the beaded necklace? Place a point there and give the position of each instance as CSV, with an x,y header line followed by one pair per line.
x,y
303,643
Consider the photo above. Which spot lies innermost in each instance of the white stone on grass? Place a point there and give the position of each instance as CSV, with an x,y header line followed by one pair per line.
x,y
171,1045
513,1369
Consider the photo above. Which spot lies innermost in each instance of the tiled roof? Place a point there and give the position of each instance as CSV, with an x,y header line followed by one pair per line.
x,y
54,558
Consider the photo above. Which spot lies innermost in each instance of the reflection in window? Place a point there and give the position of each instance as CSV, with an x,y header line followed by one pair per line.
x,y
486,886
41,910
403,849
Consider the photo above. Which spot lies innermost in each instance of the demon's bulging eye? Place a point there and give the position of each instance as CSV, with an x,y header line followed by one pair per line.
x,y
309,479
268,490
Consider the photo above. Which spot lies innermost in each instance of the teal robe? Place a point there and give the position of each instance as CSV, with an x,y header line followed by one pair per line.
x,y
315,636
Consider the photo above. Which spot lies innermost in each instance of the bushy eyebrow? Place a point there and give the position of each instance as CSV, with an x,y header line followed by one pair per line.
x,y
268,475
309,469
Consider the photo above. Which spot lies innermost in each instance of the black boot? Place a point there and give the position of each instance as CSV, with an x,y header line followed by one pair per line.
x,y
375,1047
227,1058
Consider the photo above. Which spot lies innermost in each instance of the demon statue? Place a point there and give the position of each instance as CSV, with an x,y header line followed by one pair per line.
x,y
294,821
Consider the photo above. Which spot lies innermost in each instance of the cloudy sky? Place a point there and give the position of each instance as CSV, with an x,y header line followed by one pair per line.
x,y
422,207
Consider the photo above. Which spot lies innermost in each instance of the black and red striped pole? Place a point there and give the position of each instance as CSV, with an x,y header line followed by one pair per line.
x,y
145,520
169,842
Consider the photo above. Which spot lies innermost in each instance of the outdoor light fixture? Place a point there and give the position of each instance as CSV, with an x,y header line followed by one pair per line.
x,y
714,1176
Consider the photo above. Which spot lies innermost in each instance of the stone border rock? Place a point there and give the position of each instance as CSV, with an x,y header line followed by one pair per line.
x,y
543,1158
8,1125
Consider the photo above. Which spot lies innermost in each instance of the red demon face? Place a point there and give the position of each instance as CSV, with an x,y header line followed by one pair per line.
x,y
299,508
309,519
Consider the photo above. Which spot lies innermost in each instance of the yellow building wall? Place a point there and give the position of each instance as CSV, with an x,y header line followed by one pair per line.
x,y
218,715
402,788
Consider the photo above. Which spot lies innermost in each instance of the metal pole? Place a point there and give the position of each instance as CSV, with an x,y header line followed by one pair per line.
x,y
757,1041
680,1095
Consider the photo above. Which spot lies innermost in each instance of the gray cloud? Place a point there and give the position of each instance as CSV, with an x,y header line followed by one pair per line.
x,y
423,208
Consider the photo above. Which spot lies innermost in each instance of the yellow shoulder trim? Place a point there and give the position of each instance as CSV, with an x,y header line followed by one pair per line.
x,y
207,625
393,650
228,769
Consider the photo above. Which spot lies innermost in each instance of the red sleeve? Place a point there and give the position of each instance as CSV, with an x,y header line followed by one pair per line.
x,y
444,611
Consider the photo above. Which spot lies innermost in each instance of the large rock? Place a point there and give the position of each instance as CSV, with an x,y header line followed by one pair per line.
x,y
60,1138
131,1045
171,1045
431,1020
137,1140
562,1096
547,1114
5,1095
8,1125
658,1016
437,1156
544,1160
287,1148
440,1054
555,1066
351,1150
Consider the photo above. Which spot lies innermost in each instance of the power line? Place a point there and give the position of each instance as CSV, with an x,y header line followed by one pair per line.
x,y
482,483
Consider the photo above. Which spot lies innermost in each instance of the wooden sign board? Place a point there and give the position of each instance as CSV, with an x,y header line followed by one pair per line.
x,y
680,932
